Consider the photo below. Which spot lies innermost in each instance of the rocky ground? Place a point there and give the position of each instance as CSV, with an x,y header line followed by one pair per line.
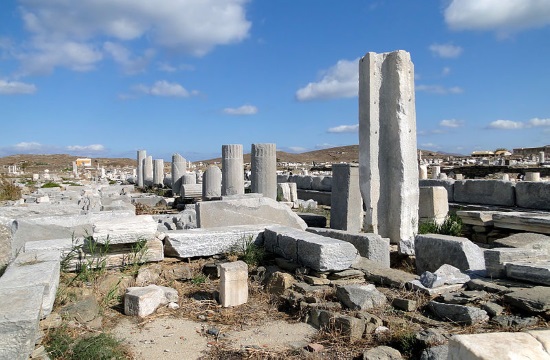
x,y
279,320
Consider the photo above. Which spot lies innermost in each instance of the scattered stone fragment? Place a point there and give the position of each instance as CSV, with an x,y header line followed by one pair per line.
x,y
404,304
417,285
279,282
314,280
381,275
445,275
497,258
314,347
372,321
347,274
360,297
491,287
148,275
306,289
463,297
431,337
179,272
525,240
350,327
382,353
440,352
492,308
83,311
460,314
143,301
514,321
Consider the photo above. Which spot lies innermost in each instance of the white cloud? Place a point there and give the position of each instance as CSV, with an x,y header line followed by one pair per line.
x,y
446,50
46,55
324,146
297,149
502,15
16,87
452,123
170,68
28,146
86,148
446,71
123,56
430,146
165,88
189,26
344,129
242,110
339,81
536,122
506,125
438,89
515,125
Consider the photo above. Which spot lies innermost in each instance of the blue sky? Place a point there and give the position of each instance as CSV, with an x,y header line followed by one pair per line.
x,y
106,78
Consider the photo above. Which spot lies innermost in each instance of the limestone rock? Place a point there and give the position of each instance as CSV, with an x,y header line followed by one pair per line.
x,y
533,195
143,301
370,246
525,240
83,310
497,258
314,251
530,222
440,352
279,282
535,272
360,297
233,283
433,251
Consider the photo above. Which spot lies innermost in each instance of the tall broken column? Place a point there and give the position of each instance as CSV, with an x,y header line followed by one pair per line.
x,y
346,205
387,147
179,166
264,170
158,172
232,170
141,155
148,171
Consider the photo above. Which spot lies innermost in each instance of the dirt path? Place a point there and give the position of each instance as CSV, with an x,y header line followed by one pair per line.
x,y
169,338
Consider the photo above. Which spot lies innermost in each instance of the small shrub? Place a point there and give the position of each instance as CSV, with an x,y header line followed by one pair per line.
x,y
452,225
199,279
102,346
58,342
8,190
50,184
248,251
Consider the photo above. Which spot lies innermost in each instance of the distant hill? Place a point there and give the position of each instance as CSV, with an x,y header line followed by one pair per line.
x,y
57,162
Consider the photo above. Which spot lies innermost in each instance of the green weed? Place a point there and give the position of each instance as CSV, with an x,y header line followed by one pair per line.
x,y
50,184
247,251
452,225
199,279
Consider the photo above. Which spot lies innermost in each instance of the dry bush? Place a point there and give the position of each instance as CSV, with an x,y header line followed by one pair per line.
x,y
8,190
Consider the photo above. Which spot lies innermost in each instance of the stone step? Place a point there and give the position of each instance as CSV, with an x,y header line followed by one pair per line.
x,y
525,221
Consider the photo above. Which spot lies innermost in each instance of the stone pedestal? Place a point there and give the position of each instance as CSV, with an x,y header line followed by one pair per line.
x,y
141,155
532,176
179,166
233,283
346,203
158,172
212,183
387,147
264,170
232,169
541,157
